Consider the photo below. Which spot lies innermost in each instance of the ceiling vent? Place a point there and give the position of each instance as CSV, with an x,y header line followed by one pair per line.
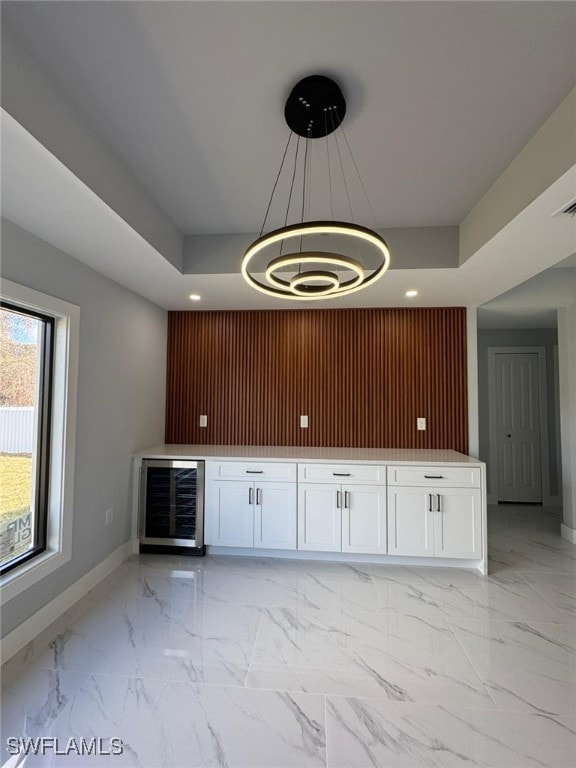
x,y
570,208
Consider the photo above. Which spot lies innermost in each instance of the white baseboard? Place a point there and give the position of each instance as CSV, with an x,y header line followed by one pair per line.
x,y
16,640
568,533
348,557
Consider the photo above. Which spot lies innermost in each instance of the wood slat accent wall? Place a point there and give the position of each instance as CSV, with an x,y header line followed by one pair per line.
x,y
362,376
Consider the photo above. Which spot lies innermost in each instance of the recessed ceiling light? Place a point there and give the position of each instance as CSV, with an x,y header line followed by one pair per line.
x,y
195,296
411,294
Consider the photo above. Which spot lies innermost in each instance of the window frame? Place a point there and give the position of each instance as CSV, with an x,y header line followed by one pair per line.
x,y
41,460
60,437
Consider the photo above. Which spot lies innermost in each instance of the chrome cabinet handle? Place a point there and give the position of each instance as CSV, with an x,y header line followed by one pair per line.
x,y
430,502
341,474
438,499
250,495
254,471
347,499
339,499
258,495
434,477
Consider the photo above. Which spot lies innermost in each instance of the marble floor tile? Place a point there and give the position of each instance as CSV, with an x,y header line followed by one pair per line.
x,y
508,553
237,661
526,666
30,704
294,566
557,588
363,733
166,724
140,637
504,596
289,590
146,580
396,657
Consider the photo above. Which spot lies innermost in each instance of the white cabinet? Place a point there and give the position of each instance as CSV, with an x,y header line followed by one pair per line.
x,y
254,513
409,510
458,523
426,520
342,518
231,514
410,521
275,515
319,517
364,519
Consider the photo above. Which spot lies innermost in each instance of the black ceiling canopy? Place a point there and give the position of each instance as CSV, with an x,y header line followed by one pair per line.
x,y
315,108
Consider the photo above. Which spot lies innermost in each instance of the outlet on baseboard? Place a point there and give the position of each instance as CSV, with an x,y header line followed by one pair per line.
x,y
420,423
304,422
109,515
204,420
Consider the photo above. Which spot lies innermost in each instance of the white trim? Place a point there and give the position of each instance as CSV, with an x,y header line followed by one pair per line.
x,y
556,501
472,365
492,426
347,557
63,438
26,632
568,533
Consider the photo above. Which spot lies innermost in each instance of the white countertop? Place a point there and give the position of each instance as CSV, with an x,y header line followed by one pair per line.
x,y
301,453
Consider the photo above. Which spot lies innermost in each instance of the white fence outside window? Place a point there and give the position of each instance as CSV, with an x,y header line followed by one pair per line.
x,y
16,429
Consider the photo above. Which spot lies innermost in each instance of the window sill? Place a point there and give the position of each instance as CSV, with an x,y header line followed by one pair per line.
x,y
30,573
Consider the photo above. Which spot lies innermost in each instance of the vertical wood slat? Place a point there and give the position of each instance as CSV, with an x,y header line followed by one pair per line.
x,y
362,376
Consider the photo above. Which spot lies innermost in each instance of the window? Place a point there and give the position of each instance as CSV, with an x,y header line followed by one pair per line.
x,y
26,354
38,385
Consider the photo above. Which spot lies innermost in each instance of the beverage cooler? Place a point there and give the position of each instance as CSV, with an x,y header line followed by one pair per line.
x,y
172,506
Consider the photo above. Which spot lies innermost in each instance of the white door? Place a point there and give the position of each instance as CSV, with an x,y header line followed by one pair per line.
x,y
457,523
518,427
232,514
320,517
410,522
275,515
364,519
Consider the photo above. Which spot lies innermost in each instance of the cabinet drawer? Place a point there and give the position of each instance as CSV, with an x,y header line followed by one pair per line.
x,y
342,473
455,477
254,470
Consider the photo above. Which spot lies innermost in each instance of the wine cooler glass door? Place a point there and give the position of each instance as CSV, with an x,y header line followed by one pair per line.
x,y
172,498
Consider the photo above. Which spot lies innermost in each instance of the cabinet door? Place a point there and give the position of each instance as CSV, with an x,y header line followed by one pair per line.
x,y
275,515
364,519
319,517
458,523
410,521
232,514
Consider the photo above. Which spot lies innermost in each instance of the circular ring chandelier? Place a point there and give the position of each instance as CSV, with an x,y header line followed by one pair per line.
x,y
314,110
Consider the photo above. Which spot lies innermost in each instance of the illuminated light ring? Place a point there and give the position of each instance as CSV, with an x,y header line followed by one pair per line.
x,y
312,257
315,228
314,290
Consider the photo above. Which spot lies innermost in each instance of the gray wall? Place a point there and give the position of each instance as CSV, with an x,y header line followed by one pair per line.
x,y
567,360
121,396
36,102
545,337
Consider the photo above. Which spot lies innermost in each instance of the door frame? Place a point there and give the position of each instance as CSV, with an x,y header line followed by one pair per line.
x,y
492,425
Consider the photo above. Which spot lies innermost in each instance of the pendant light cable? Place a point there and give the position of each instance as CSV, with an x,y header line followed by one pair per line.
x,y
328,161
291,189
358,173
342,167
276,183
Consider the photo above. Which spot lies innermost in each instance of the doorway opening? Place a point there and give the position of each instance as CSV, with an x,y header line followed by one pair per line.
x,y
519,434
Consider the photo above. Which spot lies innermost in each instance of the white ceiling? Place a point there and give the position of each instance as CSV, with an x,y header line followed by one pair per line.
x,y
190,95
42,195
533,303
